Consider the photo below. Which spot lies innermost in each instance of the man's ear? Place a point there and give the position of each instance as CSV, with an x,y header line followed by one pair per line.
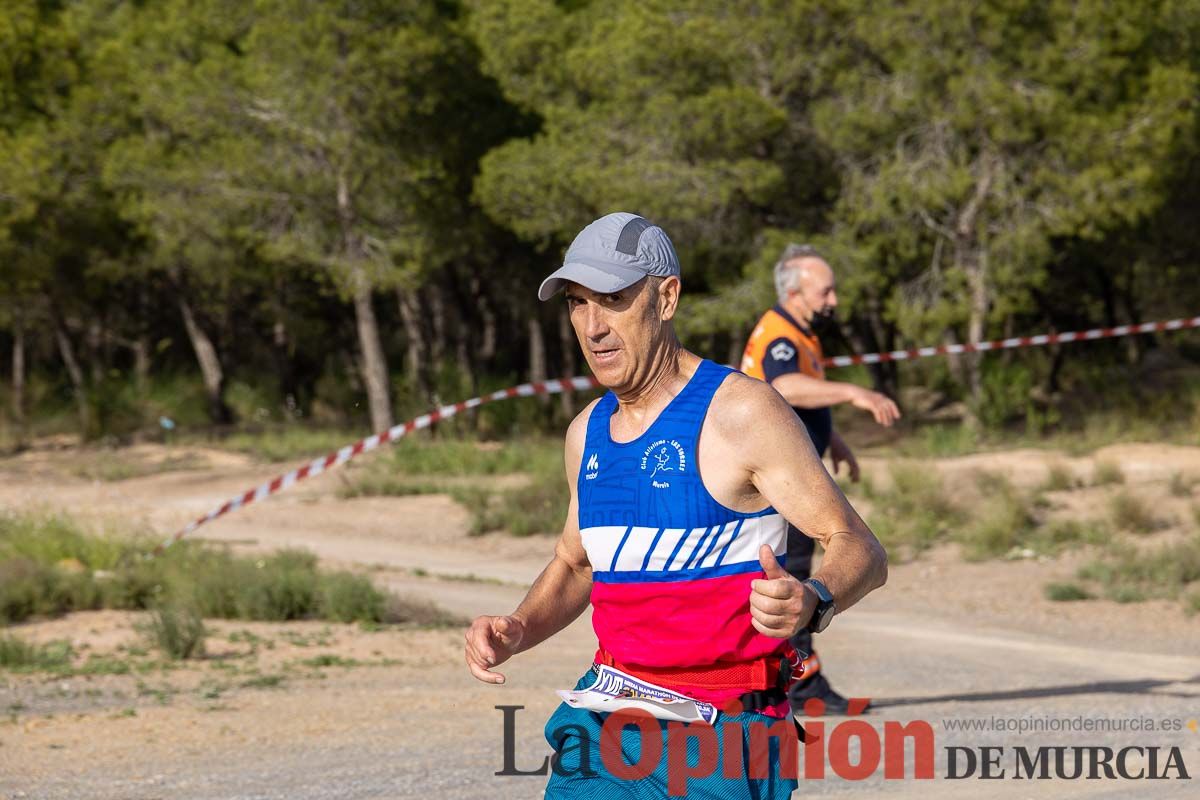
x,y
668,297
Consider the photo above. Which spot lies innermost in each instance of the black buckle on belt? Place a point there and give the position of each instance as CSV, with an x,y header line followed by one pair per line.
x,y
764,698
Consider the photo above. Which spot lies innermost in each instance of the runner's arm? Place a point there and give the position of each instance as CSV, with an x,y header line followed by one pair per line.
x,y
785,469
562,592
557,597
805,391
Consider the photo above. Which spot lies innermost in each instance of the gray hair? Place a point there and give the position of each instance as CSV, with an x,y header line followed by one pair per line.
x,y
787,279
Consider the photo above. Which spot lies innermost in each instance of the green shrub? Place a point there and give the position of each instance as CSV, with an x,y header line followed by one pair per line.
x,y
1002,521
915,511
1005,393
1057,534
540,507
1126,593
1131,513
1059,478
1066,592
18,655
1130,575
281,586
351,598
176,628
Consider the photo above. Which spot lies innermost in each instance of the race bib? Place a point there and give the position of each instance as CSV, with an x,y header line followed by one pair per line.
x,y
615,690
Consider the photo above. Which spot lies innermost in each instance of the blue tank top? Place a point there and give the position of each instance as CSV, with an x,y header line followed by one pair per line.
x,y
671,566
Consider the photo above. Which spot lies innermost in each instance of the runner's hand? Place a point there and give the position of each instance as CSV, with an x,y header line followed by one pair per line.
x,y
490,642
840,452
879,405
779,604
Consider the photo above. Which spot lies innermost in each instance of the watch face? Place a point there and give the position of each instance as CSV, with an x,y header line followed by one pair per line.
x,y
826,616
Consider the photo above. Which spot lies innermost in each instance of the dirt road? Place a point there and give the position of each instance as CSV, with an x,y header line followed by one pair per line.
x,y
944,642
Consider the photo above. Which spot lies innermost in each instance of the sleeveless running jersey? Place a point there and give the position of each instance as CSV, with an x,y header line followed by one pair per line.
x,y
671,567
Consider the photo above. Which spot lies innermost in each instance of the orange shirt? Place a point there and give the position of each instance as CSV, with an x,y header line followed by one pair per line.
x,y
780,345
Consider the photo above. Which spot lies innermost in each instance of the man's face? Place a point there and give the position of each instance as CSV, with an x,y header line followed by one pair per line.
x,y
817,294
620,332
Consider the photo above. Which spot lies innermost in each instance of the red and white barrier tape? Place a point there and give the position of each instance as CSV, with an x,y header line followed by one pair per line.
x,y
583,383
1019,341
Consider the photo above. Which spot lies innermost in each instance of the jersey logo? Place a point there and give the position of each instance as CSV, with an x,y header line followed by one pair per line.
x,y
783,352
662,458
593,467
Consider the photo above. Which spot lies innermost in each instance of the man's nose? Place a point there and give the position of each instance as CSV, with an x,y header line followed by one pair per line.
x,y
596,326
832,300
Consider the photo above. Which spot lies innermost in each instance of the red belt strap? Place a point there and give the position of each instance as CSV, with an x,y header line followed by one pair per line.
x,y
746,675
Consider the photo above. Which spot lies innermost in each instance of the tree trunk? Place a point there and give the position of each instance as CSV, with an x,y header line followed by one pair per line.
x,y
977,319
210,365
67,352
971,256
487,322
537,353
885,375
414,341
281,349
95,350
568,343
141,364
437,317
18,376
374,363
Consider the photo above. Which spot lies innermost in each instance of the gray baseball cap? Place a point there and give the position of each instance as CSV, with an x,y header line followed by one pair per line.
x,y
614,252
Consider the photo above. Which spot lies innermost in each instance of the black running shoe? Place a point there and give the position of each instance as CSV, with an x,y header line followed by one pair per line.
x,y
818,688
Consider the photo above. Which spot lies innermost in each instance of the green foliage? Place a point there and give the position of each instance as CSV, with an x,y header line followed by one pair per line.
x,y
1005,394
177,629
352,598
940,441
49,566
1131,575
19,655
278,168
1066,592
539,507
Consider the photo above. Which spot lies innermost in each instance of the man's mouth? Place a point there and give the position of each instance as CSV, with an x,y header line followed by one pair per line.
x,y
606,355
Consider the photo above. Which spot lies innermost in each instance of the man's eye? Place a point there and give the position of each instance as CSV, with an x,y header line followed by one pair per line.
x,y
614,298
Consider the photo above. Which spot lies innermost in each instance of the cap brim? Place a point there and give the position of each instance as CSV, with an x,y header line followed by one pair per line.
x,y
609,279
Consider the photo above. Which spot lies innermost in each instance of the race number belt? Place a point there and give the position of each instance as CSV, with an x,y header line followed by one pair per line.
x,y
765,680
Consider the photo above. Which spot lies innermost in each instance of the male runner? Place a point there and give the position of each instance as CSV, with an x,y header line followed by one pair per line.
x,y
785,352
681,479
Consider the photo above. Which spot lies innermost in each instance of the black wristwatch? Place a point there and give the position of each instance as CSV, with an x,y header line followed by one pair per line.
x,y
825,610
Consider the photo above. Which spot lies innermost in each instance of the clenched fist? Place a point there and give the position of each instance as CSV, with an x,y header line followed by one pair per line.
x,y
780,605
490,642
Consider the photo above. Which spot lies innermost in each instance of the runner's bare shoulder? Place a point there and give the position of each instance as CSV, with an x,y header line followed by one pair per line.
x,y
576,436
743,404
